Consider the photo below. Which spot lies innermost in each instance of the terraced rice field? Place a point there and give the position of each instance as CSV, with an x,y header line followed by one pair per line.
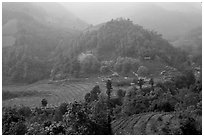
x,y
55,93
144,124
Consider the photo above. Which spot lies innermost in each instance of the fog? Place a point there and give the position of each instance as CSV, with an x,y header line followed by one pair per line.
x,y
101,68
99,12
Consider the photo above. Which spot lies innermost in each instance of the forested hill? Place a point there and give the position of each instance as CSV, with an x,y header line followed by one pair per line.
x,y
30,34
122,38
35,55
191,42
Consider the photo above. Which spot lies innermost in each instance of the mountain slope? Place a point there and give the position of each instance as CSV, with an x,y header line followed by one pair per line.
x,y
191,41
171,19
30,36
170,23
37,18
120,38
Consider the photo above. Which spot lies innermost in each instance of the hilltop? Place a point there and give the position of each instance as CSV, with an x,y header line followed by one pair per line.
x,y
119,38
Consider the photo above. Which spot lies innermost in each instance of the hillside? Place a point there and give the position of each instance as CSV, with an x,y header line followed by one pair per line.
x,y
30,34
171,23
20,19
56,49
170,19
122,38
149,124
191,42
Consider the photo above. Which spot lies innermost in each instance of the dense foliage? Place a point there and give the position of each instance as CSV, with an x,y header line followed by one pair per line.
x,y
182,100
119,40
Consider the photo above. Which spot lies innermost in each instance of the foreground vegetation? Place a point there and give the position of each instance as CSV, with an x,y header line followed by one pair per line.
x,y
182,101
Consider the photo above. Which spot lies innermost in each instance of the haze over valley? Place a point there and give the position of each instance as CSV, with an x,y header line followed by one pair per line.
x,y
101,68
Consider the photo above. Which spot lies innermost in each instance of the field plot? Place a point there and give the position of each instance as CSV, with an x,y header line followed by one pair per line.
x,y
55,93
143,124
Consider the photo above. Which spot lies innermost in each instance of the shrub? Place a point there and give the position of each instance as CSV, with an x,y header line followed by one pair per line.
x,y
126,64
55,129
63,108
17,128
121,93
190,124
89,63
44,102
77,121
146,90
24,111
164,102
136,105
12,122
93,95
36,129
60,111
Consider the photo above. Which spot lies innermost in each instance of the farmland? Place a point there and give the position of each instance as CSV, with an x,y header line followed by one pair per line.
x,y
55,92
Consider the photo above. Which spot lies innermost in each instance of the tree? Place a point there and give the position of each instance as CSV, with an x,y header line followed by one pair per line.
x,y
190,78
44,102
151,82
141,82
121,93
126,64
89,63
109,88
77,120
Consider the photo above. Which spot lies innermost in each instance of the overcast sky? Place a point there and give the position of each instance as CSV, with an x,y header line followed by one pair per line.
x,y
95,13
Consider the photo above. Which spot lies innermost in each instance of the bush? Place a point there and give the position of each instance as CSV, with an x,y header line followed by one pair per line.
x,y
12,122
121,93
60,111
89,63
164,101
136,105
190,124
55,129
36,129
63,108
93,95
44,102
77,120
24,111
126,64
17,128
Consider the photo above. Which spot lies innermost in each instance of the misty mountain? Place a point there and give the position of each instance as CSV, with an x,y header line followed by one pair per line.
x,y
118,38
170,23
191,42
39,38
171,20
30,34
37,19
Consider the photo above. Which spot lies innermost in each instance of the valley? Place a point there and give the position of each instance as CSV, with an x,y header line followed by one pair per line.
x,y
129,75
